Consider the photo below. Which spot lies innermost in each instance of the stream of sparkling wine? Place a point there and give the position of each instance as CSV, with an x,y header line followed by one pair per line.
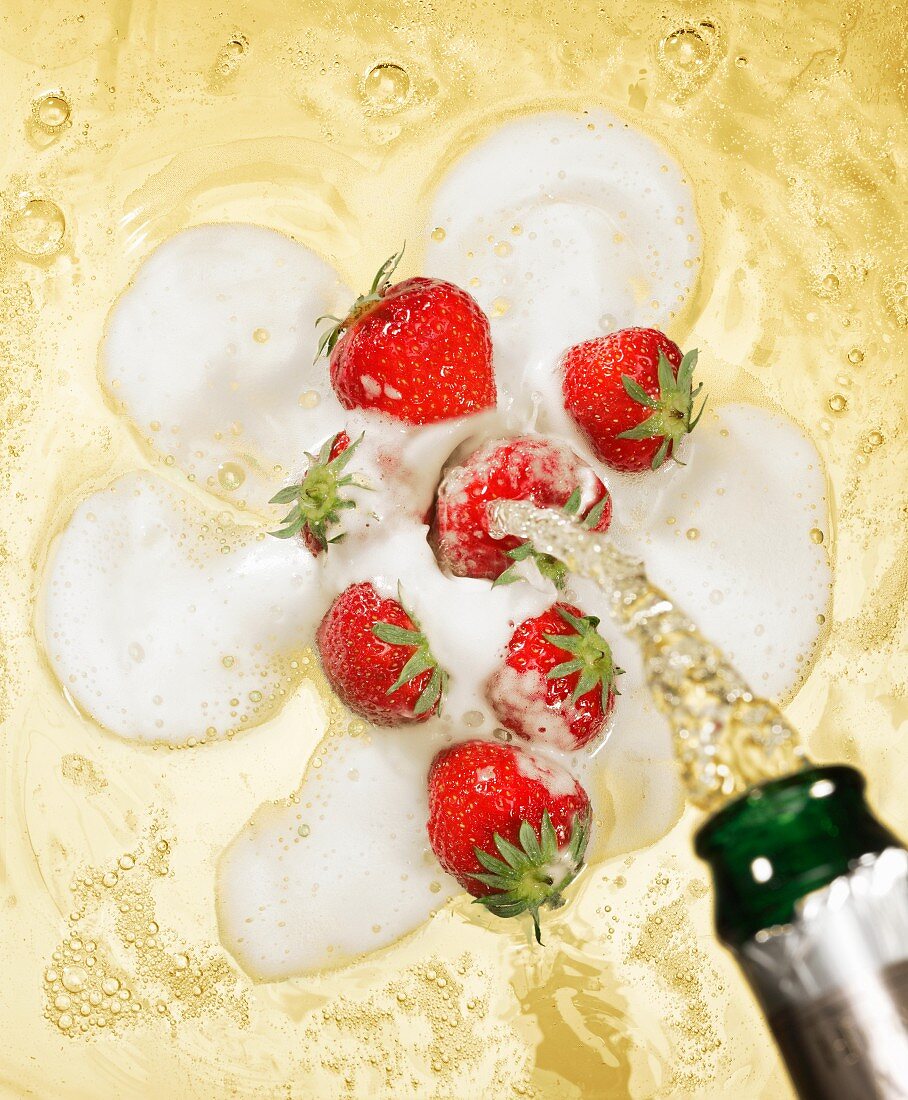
x,y
726,738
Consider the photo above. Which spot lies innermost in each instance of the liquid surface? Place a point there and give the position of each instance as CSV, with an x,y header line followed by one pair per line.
x,y
189,113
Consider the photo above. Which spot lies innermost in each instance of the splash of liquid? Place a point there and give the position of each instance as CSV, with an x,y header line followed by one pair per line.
x,y
726,738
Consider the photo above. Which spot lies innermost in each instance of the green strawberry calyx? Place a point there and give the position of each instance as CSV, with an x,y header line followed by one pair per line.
x,y
549,567
534,875
419,662
671,417
362,305
317,500
589,654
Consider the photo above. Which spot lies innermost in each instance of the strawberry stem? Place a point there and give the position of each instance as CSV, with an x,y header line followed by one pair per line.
x,y
363,303
672,416
550,567
589,654
421,660
534,875
317,500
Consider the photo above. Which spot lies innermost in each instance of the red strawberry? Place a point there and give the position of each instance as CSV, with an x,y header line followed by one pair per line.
x,y
543,471
418,350
557,683
630,394
377,659
510,826
317,501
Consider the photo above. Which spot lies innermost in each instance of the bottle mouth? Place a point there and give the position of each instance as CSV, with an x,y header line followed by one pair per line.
x,y
775,804
783,840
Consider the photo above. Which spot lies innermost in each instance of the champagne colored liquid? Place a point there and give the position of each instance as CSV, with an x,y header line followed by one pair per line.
x,y
124,122
726,738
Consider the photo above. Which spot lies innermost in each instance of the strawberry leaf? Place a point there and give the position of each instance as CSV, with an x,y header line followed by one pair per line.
x,y
419,662
672,413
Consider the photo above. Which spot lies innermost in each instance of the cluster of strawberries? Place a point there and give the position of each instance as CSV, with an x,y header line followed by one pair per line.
x,y
510,825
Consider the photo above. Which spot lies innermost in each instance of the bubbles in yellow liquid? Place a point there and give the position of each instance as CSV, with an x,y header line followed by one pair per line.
x,y
73,979
51,112
38,229
500,307
231,476
231,54
386,87
838,403
855,356
438,234
261,335
685,49
309,399
692,534
816,535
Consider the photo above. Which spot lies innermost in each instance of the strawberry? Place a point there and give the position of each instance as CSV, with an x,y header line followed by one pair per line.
x,y
419,350
630,394
557,682
511,827
377,659
317,501
543,471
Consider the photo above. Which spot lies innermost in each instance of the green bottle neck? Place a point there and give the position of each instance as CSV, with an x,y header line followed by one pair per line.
x,y
782,840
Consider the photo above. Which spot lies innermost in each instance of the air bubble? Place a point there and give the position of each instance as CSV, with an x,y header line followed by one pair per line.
x,y
231,475
51,112
309,399
386,87
73,979
838,403
38,229
685,49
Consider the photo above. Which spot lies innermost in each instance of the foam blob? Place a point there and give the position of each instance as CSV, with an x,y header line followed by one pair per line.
x,y
165,622
210,353
564,227
346,869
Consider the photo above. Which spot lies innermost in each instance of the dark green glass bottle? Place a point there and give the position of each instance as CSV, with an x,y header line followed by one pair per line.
x,y
811,895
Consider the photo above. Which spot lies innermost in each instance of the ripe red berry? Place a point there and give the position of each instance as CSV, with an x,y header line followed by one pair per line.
x,y
377,659
631,395
419,350
512,827
556,684
545,472
317,500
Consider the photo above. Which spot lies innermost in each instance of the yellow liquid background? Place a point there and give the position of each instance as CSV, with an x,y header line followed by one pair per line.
x,y
786,119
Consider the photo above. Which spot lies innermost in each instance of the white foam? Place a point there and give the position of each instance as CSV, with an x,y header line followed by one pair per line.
x,y
608,237
153,630
211,349
362,876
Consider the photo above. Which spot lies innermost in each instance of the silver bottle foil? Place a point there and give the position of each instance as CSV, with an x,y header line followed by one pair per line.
x,y
834,984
